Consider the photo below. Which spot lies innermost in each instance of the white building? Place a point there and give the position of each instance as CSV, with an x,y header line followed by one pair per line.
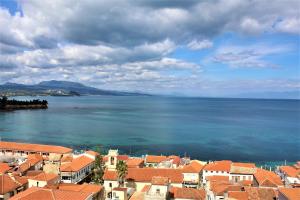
x,y
217,168
76,170
191,174
289,175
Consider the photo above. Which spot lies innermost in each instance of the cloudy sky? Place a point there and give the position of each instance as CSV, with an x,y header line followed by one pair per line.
x,y
190,47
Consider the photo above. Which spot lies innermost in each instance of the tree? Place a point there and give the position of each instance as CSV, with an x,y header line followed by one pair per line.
x,y
122,172
99,168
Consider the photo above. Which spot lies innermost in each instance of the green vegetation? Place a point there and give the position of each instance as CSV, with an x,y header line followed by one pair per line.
x,y
5,103
99,169
122,172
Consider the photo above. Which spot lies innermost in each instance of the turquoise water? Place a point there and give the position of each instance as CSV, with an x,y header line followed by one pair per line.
x,y
204,128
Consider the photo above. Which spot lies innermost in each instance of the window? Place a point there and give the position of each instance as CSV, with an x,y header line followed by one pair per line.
x,y
110,184
65,178
157,190
112,159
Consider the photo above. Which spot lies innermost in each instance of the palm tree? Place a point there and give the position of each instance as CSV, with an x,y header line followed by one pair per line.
x,y
99,168
122,172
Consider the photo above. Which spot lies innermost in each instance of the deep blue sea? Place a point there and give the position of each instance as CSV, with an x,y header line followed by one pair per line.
x,y
204,128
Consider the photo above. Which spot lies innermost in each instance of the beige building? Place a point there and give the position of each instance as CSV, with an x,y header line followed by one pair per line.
x,y
43,179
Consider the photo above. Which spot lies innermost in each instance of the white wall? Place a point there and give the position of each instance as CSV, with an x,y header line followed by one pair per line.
x,y
206,173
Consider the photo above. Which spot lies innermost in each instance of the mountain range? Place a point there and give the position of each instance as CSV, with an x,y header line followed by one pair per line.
x,y
56,88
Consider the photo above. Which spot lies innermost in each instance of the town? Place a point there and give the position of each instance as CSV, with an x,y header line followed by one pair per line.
x,y
37,171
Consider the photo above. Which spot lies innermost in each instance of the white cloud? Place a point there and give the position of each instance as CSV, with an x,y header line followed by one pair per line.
x,y
128,44
290,25
198,45
248,56
251,26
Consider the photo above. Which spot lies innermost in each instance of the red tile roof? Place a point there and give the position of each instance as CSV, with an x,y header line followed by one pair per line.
x,y
67,158
193,167
255,193
289,171
158,180
134,162
246,182
122,157
90,188
223,165
4,167
45,177
290,193
238,164
238,195
35,193
34,147
187,193
175,159
146,174
243,168
9,184
155,159
34,159
76,164
267,178
137,196
218,178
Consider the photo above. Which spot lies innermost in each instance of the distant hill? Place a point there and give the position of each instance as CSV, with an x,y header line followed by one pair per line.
x,y
56,88
270,95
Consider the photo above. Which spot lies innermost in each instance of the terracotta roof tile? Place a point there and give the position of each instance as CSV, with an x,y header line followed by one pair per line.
x,y
239,164
45,177
193,167
255,193
122,157
223,165
289,171
158,180
76,164
238,195
146,174
34,147
67,158
146,188
187,193
218,178
267,178
176,159
290,193
7,184
4,167
155,159
91,188
243,168
134,162
137,196
35,193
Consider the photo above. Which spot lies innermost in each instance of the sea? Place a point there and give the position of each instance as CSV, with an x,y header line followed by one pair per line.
x,y
256,130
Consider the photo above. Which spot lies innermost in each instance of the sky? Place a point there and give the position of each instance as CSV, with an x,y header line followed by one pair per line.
x,y
178,47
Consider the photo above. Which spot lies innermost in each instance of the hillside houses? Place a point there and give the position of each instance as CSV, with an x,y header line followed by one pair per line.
x,y
67,175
